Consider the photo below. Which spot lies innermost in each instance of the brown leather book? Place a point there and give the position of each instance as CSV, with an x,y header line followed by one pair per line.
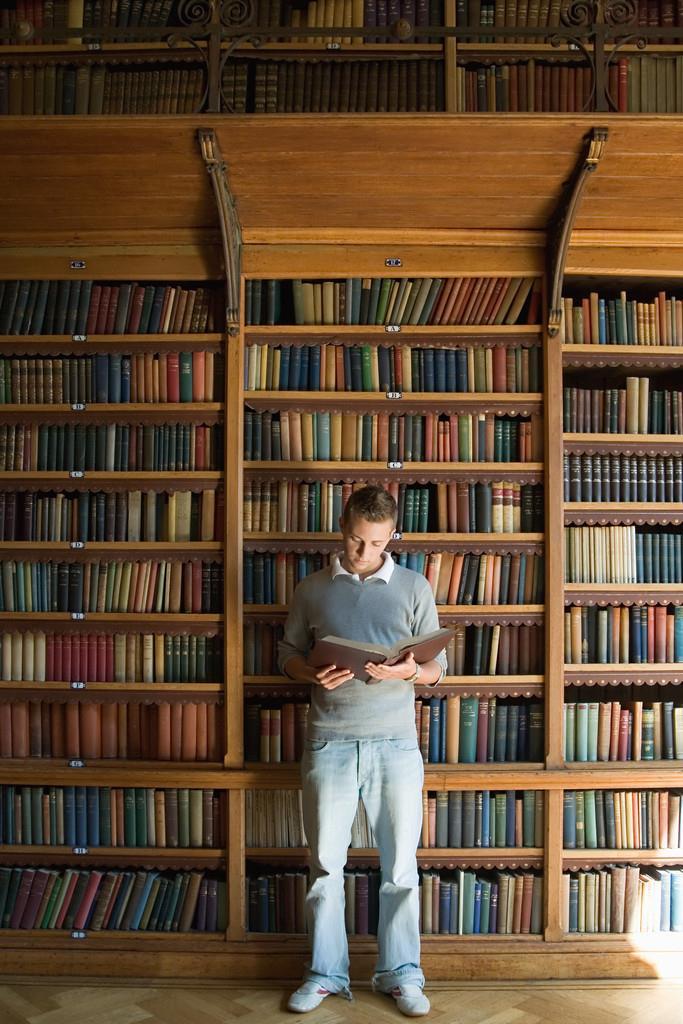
x,y
333,650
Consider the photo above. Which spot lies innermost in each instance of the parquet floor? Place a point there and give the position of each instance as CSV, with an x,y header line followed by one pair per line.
x,y
619,1002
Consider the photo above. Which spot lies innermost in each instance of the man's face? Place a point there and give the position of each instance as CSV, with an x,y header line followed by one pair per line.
x,y
364,543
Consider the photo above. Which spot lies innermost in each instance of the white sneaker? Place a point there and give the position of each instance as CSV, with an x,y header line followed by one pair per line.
x,y
307,997
410,1000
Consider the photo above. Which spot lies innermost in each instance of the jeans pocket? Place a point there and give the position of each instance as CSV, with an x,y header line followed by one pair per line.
x,y
314,746
400,744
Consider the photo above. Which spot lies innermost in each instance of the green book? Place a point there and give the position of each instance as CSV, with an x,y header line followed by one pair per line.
x,y
581,751
590,820
366,367
165,923
384,293
298,298
592,730
105,815
373,301
129,817
466,884
570,732
185,374
469,712
140,817
5,878
500,818
52,899
183,818
580,819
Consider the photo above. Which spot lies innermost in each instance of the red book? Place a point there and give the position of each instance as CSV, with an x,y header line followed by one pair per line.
x,y
500,382
164,732
288,732
68,895
134,731
198,378
202,732
660,623
462,299
173,377
201,442
20,729
214,732
93,309
76,667
50,658
176,731
112,901
109,730
103,310
35,731
94,879
108,659
189,733
25,884
440,304
57,730
91,729
97,658
111,311
28,919
137,300
459,285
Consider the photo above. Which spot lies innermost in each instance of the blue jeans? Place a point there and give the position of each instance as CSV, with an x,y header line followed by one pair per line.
x,y
388,775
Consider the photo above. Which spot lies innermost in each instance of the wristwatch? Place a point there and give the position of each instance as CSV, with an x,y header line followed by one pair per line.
x,y
416,674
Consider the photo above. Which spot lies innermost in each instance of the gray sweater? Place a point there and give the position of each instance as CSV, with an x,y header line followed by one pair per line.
x,y
375,611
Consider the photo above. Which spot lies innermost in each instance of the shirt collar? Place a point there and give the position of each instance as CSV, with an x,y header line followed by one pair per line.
x,y
383,573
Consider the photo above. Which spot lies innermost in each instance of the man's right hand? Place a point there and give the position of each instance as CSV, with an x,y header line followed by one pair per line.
x,y
330,677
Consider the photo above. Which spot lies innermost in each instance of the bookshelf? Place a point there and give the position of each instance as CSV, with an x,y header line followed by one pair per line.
x,y
307,228
346,57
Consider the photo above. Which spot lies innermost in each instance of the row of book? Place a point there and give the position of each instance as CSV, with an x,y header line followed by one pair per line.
x,y
634,409
124,731
473,650
275,733
622,730
455,819
622,554
394,301
291,435
90,307
623,898
524,86
382,368
104,378
599,320
596,819
117,448
455,579
35,656
469,578
111,816
115,900
128,587
44,14
446,507
174,516
638,635
619,477
479,730
647,84
342,14
451,730
472,819
539,13
298,85
451,903
63,87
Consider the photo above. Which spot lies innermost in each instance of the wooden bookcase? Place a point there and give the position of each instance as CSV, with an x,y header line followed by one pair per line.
x,y
265,60
302,187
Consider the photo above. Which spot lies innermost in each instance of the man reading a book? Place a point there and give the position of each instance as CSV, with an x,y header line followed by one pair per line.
x,y
361,741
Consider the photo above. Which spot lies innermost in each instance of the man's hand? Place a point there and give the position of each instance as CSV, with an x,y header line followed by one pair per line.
x,y
399,670
330,677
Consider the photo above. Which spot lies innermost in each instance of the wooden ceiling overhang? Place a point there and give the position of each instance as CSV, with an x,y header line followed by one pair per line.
x,y
429,179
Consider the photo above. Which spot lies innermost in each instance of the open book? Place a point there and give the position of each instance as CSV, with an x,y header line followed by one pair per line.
x,y
353,654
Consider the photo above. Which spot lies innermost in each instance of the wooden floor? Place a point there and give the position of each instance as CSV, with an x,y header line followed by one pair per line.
x,y
626,1002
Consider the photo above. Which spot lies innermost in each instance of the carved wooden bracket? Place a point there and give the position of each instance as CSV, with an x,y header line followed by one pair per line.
x,y
560,229
231,231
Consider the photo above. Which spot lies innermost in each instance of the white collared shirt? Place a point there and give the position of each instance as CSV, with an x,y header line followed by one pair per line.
x,y
383,573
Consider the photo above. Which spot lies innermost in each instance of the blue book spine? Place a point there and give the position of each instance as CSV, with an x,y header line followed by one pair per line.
x,y
283,382
115,378
101,377
510,818
486,818
569,820
602,322
125,378
435,730
444,721
440,369
140,908
461,362
476,923
429,375
444,907
677,900
304,362
294,368
81,816
93,816
451,370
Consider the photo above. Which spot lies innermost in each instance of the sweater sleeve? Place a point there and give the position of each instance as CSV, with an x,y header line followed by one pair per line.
x,y
298,637
426,620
